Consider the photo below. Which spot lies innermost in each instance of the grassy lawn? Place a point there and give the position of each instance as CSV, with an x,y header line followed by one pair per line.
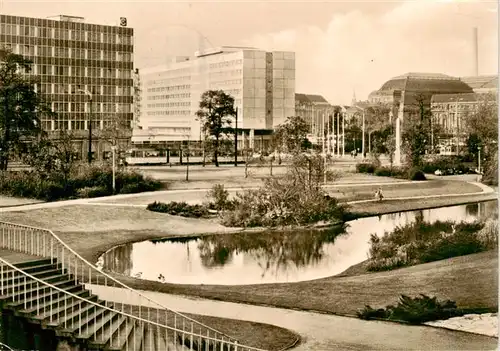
x,y
472,281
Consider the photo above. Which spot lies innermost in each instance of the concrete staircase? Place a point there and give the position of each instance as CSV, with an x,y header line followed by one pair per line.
x,y
77,317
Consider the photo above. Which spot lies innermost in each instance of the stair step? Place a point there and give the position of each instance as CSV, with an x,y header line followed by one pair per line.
x,y
161,342
135,338
33,288
75,312
120,339
85,324
19,286
106,333
56,303
19,278
167,342
31,269
44,297
149,339
96,324
36,262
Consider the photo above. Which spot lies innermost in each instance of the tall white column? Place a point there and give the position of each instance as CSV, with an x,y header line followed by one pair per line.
x,y
323,134
328,135
343,134
399,122
363,137
338,136
397,152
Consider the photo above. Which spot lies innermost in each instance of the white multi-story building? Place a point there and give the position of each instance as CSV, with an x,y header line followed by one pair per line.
x,y
262,84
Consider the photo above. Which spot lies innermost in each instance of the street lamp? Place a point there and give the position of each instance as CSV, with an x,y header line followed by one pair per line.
x,y
89,94
479,159
113,150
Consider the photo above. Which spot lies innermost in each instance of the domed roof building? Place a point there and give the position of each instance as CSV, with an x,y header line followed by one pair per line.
x,y
418,84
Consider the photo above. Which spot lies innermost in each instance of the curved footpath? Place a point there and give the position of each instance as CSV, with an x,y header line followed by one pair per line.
x,y
319,331
324,332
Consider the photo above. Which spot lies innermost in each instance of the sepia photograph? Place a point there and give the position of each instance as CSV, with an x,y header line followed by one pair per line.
x,y
236,175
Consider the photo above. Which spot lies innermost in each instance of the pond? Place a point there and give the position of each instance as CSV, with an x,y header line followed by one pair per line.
x,y
269,257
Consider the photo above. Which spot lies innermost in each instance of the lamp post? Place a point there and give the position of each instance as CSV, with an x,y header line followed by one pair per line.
x,y
113,150
236,138
479,159
89,94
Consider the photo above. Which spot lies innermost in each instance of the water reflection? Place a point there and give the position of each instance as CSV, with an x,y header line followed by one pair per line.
x,y
270,257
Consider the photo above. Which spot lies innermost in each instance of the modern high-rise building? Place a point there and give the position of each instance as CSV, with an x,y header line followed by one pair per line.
x,y
83,70
262,84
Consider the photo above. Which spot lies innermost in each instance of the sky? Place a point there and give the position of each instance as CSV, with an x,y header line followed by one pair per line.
x,y
340,47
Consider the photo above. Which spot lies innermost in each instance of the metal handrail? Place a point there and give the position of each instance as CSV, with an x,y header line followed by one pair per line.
x,y
91,266
140,319
110,277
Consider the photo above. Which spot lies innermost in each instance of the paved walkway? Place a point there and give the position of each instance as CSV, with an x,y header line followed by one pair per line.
x,y
322,332
484,190
177,194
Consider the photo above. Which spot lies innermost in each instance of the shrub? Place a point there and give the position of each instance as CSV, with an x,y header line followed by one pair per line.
x,y
365,167
88,181
179,209
416,174
51,191
280,203
422,242
370,313
383,172
219,197
93,191
488,235
415,310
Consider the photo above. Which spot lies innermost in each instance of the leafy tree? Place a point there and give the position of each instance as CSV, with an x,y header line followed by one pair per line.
x,y
117,133
482,124
292,135
308,171
352,135
416,131
473,144
376,124
54,157
216,110
20,106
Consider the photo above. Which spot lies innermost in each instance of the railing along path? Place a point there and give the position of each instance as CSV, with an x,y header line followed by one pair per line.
x,y
44,243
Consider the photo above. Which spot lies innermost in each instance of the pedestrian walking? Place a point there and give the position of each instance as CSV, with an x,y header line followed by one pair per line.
x,y
379,196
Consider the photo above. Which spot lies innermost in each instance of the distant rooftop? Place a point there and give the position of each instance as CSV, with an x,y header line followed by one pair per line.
x,y
66,18
222,49
426,82
311,99
424,75
481,82
467,97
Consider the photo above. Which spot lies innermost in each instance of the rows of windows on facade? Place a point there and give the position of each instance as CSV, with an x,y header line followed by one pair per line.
x,y
69,59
